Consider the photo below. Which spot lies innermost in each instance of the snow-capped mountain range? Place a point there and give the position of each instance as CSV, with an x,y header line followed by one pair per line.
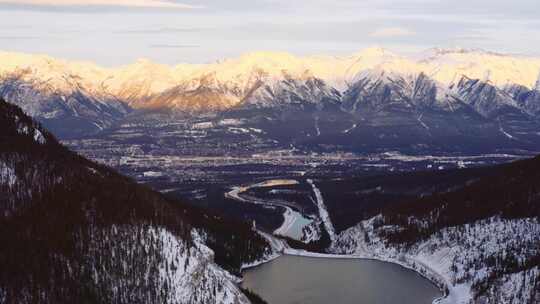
x,y
239,76
470,82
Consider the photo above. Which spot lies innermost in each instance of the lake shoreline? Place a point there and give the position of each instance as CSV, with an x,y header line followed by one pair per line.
x,y
281,248
261,285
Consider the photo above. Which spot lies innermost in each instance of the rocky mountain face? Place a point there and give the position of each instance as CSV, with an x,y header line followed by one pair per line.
x,y
78,232
378,91
292,93
68,111
371,100
528,100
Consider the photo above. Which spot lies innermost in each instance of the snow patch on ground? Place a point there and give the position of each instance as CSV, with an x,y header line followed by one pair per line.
x,y
24,128
317,129
312,232
38,137
7,175
422,123
236,130
323,212
152,174
293,224
505,288
191,275
231,122
202,125
501,129
451,257
349,129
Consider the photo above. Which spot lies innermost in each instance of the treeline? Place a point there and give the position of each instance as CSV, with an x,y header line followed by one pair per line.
x,y
508,197
352,199
510,191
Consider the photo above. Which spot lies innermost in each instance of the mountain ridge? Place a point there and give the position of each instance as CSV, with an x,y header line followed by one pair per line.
x,y
443,65
438,93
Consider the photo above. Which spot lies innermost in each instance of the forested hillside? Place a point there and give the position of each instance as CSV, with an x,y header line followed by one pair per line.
x,y
481,242
74,231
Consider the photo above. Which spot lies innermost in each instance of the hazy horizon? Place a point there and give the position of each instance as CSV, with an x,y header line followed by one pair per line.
x,y
119,32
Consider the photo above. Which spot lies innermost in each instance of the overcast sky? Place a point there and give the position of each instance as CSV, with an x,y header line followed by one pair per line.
x,y
114,32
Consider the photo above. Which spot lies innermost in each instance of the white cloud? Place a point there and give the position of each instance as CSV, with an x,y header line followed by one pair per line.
x,y
391,32
126,3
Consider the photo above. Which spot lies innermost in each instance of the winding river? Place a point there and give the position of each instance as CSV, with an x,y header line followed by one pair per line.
x,y
305,280
297,279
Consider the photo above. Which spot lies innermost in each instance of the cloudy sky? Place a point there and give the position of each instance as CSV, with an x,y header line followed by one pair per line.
x,y
114,32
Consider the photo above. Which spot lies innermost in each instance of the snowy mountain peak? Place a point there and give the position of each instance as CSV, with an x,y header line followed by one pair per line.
x,y
226,83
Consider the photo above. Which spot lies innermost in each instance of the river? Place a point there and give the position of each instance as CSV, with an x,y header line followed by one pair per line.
x,y
306,280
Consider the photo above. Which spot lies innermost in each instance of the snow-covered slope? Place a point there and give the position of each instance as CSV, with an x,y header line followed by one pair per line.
x,y
177,271
373,81
61,104
144,78
78,231
458,258
376,90
483,97
480,242
528,100
292,92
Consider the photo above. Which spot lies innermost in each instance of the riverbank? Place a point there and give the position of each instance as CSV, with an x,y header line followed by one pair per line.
x,y
294,222
424,266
